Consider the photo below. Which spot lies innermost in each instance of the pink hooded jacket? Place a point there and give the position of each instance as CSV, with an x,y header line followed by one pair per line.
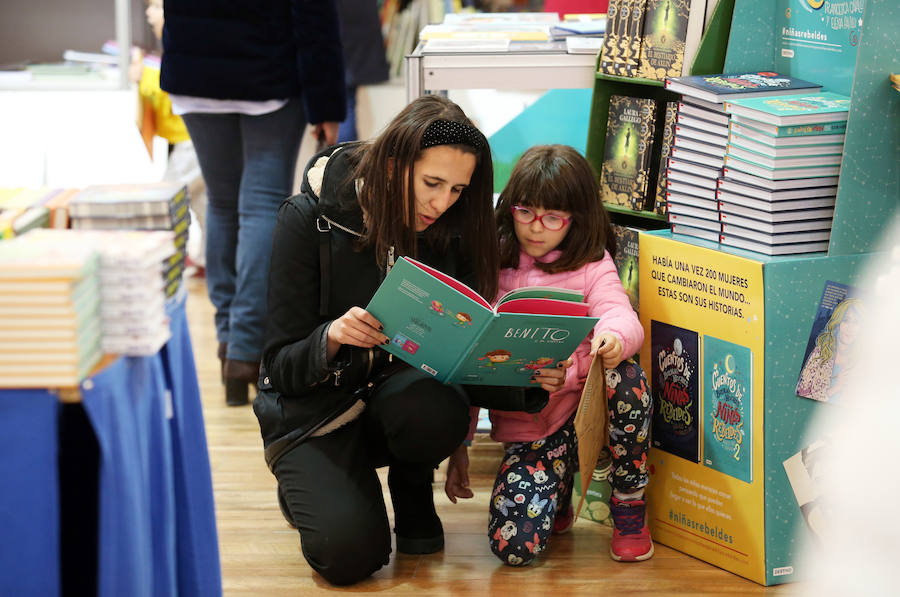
x,y
603,291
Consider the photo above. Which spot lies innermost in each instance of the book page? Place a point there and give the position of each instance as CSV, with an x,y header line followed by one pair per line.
x,y
451,282
544,306
561,294
591,424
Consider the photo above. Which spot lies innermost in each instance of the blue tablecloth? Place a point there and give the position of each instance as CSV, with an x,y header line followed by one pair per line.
x,y
156,528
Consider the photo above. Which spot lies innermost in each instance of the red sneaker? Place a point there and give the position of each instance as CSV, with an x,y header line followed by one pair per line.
x,y
565,520
631,538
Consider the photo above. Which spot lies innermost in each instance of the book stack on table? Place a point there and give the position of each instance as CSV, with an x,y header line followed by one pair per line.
x,y
50,327
132,288
150,206
781,172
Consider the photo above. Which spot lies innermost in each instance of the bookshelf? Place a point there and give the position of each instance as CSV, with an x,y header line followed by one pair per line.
x,y
769,305
709,59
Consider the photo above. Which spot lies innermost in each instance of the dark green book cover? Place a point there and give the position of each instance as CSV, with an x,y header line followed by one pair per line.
x,y
626,261
664,35
610,39
629,140
668,135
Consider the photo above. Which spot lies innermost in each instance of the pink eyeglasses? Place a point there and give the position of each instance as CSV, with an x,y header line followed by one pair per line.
x,y
523,215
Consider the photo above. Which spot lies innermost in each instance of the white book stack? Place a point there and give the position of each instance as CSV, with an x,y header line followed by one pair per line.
x,y
131,285
147,206
781,173
50,326
694,167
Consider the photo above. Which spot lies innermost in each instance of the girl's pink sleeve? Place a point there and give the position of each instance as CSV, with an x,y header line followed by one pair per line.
x,y
607,299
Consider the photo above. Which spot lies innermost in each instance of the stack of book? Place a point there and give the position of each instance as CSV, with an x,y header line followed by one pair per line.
x,y
697,155
151,206
131,286
781,172
22,209
50,326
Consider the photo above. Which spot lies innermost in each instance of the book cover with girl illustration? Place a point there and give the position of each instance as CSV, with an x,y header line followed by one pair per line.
x,y
676,397
443,327
727,407
829,351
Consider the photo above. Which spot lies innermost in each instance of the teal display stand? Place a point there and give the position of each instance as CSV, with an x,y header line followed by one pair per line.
x,y
867,205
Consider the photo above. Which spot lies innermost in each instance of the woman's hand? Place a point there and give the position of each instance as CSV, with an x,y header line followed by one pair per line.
x,y
356,327
607,346
326,132
552,380
457,483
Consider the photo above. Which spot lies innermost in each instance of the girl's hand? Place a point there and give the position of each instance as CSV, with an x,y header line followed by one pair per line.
x,y
457,483
607,346
356,327
552,380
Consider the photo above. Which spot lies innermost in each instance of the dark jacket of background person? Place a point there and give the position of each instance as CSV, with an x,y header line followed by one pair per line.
x,y
246,50
311,392
364,55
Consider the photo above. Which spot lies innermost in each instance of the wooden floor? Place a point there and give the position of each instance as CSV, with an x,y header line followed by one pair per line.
x,y
260,554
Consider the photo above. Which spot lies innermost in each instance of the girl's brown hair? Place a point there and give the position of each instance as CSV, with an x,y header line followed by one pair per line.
x,y
385,163
557,177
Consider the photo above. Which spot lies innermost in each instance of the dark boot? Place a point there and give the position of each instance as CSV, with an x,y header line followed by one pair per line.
x,y
238,377
416,523
222,353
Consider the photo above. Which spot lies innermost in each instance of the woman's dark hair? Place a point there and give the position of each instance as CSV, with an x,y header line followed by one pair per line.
x,y
384,164
557,177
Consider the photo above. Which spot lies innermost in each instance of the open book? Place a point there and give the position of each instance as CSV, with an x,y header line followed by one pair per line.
x,y
443,327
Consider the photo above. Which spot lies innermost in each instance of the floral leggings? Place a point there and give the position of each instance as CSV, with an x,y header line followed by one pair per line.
x,y
535,478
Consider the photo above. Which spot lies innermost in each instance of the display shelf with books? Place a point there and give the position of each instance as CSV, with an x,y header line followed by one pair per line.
x,y
709,56
746,302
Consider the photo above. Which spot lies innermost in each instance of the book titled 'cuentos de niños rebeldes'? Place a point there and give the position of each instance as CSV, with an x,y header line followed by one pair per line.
x,y
676,395
444,328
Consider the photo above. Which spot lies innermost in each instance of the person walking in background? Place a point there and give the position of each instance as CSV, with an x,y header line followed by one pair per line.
x,y
157,119
247,77
554,232
365,62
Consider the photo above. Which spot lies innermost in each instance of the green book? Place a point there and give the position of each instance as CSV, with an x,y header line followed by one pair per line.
x,y
727,399
629,139
444,328
665,32
805,134
787,110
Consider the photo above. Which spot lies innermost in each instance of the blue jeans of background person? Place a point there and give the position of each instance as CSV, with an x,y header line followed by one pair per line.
x,y
347,129
248,164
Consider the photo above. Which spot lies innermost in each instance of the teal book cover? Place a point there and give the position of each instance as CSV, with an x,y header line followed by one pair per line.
x,y
727,408
824,106
442,327
818,40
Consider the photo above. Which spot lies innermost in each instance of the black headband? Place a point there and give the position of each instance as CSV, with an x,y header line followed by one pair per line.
x,y
450,132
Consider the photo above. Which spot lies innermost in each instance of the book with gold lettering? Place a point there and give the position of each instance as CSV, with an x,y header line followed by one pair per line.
x,y
440,326
625,172
727,400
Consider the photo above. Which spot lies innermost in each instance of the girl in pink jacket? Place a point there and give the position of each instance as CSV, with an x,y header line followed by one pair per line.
x,y
554,231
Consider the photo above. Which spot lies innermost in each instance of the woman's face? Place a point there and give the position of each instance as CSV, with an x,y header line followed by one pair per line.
x,y
439,176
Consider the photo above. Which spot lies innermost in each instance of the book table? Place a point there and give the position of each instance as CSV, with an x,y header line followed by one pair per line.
x,y
106,488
